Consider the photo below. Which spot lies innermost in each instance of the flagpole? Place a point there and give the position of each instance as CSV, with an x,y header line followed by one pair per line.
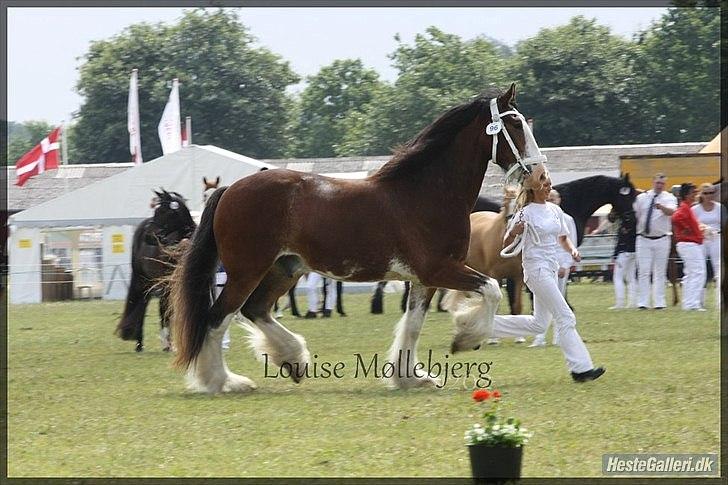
x,y
64,144
188,129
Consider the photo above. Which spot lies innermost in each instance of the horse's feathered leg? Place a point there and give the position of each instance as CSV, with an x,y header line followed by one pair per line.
x,y
377,306
271,341
164,335
131,326
403,352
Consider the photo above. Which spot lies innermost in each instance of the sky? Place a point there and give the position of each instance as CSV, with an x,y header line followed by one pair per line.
x,y
46,45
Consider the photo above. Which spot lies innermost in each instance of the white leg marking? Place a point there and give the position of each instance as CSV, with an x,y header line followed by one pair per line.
x,y
473,315
210,373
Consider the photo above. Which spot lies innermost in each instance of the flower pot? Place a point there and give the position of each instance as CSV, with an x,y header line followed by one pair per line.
x,y
495,461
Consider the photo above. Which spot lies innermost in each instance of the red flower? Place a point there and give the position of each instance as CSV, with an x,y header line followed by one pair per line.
x,y
496,394
481,395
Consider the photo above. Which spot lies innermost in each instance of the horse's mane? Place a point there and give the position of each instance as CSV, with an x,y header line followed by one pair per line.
x,y
433,139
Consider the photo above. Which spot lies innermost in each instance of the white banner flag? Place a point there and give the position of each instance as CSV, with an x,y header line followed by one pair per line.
x,y
169,126
132,120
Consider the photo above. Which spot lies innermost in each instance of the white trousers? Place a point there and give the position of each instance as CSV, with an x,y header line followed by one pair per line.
x,y
652,257
625,266
314,282
711,247
562,281
548,302
220,279
694,273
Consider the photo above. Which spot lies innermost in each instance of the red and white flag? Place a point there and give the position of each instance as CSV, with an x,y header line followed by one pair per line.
x,y
44,156
132,120
169,126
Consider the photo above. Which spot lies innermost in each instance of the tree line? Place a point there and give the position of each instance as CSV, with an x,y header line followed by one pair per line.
x,y
580,83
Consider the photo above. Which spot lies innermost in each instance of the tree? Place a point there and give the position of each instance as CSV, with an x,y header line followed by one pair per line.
x,y
234,92
677,65
330,95
439,71
24,136
573,80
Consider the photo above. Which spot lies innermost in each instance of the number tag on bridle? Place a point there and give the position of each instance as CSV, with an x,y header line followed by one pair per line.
x,y
625,190
494,128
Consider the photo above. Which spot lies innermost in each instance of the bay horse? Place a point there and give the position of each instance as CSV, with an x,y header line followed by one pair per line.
x,y
151,261
270,227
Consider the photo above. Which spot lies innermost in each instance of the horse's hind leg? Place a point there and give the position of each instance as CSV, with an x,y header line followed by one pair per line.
x,y
272,341
164,336
209,373
403,353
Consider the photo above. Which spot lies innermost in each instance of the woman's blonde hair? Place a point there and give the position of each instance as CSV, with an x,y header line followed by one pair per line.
x,y
530,184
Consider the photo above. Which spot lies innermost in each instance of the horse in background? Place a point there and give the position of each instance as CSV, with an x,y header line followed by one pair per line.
x,y
151,260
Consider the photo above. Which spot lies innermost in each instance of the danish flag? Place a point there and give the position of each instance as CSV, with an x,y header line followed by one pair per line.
x,y
44,156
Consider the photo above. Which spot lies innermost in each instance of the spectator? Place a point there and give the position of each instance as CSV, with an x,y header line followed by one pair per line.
x,y
689,246
711,217
625,261
653,210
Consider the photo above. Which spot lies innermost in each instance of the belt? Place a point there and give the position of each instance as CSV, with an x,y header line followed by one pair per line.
x,y
652,237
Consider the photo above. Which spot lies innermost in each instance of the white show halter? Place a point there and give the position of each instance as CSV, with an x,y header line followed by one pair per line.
x,y
533,155
515,248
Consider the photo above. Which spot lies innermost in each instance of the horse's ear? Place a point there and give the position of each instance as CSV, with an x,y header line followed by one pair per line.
x,y
204,180
157,193
510,96
217,180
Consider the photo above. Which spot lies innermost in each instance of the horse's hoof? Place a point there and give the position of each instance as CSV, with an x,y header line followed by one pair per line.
x,y
477,347
139,347
166,349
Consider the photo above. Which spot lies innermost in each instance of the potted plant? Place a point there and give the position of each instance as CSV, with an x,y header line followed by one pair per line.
x,y
496,445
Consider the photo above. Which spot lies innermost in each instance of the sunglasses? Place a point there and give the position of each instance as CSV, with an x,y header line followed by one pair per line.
x,y
709,193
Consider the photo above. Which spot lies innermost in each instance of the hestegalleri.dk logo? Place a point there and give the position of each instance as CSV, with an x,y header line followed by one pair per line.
x,y
660,464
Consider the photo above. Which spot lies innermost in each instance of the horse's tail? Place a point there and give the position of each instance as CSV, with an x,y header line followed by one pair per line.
x,y
191,288
137,299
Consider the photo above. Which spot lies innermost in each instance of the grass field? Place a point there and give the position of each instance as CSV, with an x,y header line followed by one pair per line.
x,y
82,403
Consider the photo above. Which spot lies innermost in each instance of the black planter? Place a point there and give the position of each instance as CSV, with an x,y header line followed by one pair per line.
x,y
495,462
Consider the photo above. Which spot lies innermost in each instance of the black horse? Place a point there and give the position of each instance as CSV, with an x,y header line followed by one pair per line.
x,y
579,198
151,259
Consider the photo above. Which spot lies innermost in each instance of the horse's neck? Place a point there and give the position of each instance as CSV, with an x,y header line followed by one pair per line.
x,y
582,209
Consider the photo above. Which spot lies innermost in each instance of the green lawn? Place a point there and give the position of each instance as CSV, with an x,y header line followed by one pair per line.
x,y
82,403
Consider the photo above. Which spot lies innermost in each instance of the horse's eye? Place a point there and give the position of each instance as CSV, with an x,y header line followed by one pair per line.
x,y
174,205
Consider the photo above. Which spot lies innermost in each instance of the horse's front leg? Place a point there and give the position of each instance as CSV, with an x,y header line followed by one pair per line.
x,y
473,307
403,353
164,335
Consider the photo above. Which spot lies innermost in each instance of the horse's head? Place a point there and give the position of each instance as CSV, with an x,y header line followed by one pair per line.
x,y
624,196
513,147
171,215
210,186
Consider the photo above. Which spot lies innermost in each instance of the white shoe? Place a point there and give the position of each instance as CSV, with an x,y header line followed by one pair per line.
x,y
537,343
615,307
493,341
520,340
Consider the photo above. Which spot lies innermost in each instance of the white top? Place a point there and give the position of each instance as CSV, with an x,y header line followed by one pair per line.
x,y
549,223
709,218
661,224
566,260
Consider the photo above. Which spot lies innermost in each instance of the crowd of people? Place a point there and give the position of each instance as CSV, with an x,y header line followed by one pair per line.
x,y
644,240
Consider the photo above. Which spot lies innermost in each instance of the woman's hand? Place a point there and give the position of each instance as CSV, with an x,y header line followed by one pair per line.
x,y
562,272
518,228
575,254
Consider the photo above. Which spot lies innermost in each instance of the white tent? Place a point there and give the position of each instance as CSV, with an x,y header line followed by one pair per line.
x,y
116,205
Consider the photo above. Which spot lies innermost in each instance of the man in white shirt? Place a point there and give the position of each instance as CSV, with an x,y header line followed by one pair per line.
x,y
653,210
